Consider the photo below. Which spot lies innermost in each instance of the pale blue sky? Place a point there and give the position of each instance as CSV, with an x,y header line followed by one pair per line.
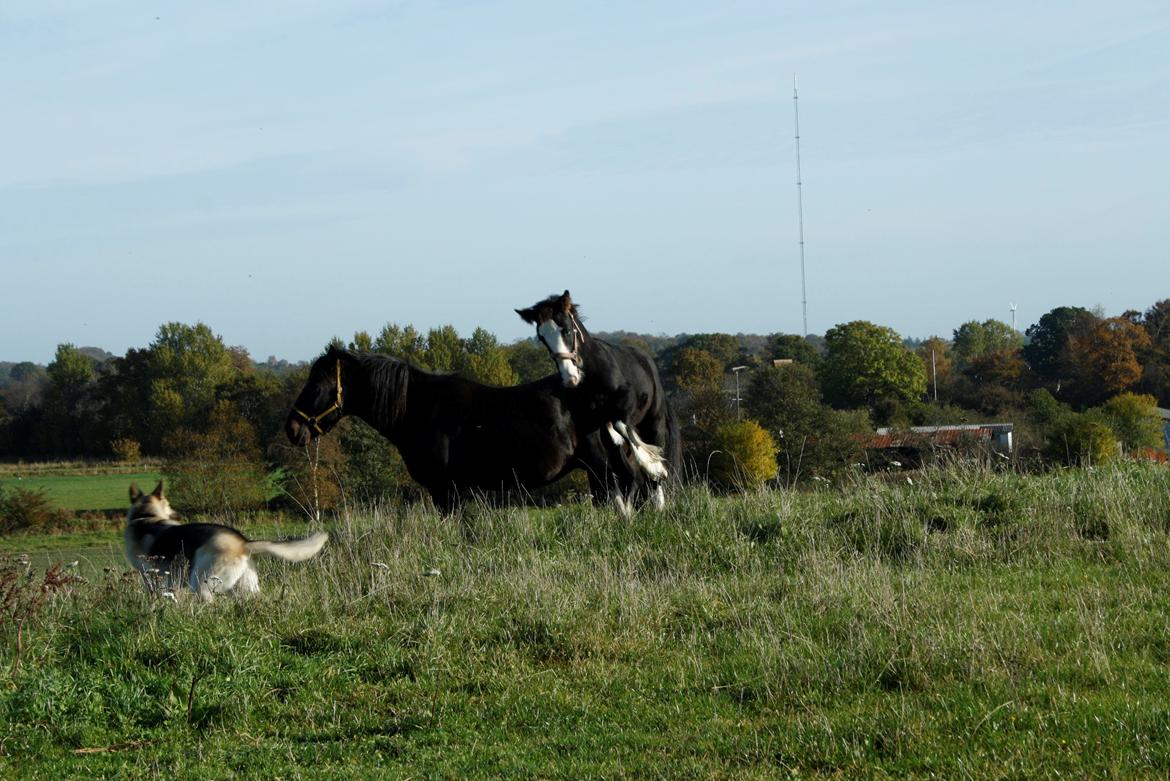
x,y
290,171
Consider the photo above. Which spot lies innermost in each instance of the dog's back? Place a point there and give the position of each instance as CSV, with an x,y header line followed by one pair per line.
x,y
171,542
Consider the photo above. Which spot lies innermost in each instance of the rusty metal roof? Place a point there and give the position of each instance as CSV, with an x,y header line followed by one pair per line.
x,y
932,436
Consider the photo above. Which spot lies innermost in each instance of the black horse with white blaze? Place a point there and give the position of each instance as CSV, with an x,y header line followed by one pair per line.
x,y
453,433
617,391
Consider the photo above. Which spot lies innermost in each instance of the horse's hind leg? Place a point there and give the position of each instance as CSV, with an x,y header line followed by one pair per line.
x,y
648,457
621,472
622,447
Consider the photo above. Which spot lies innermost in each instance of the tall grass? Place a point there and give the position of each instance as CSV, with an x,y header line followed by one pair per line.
x,y
965,623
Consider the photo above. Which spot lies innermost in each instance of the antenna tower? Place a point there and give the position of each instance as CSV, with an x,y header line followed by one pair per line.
x,y
799,206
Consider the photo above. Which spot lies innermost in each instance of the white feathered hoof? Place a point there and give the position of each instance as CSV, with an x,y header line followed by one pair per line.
x,y
658,498
623,507
652,463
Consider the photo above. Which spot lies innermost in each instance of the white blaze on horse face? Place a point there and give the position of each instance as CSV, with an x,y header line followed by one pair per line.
x,y
555,341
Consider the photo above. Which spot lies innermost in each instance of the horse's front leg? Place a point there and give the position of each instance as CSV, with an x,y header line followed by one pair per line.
x,y
446,499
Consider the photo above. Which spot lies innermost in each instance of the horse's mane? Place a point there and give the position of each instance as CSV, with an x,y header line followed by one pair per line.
x,y
388,379
554,301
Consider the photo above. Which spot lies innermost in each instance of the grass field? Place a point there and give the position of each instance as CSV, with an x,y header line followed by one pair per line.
x,y
83,492
967,625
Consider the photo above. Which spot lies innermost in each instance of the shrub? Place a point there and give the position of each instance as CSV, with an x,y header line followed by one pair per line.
x,y
23,595
1134,420
813,440
23,509
217,469
1082,439
311,475
745,455
126,450
373,469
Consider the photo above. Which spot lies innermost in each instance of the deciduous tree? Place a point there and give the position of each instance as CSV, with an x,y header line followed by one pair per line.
x,y
867,362
1104,360
187,364
71,375
486,361
445,352
529,360
406,344
812,440
938,361
1155,358
974,340
1047,349
795,348
724,347
697,371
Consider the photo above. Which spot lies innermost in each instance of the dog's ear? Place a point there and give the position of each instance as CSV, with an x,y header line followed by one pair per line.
x,y
135,492
158,491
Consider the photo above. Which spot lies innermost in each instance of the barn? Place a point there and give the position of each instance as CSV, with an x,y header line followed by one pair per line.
x,y
910,447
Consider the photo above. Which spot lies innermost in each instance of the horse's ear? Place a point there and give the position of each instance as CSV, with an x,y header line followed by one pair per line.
x,y
135,492
566,301
527,315
158,491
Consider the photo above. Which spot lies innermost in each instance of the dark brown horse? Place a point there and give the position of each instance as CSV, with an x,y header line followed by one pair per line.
x,y
454,434
615,390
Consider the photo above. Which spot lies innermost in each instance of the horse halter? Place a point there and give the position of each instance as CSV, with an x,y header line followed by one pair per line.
x,y
578,336
315,420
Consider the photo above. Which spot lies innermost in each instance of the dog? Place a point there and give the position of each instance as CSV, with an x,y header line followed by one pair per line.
x,y
215,558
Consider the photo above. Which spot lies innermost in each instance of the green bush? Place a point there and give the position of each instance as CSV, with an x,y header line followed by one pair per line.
x,y
1134,420
745,455
1082,439
24,509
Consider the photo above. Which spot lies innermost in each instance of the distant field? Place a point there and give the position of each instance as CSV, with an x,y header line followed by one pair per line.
x,y
82,492
74,468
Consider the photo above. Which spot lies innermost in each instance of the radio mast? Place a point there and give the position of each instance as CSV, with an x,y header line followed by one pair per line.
x,y
800,206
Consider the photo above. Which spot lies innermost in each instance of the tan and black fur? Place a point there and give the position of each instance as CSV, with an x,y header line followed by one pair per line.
x,y
214,558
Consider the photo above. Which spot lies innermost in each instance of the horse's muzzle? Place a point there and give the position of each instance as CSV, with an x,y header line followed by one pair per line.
x,y
296,431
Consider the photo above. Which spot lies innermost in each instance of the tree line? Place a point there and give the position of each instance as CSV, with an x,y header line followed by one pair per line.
x,y
1078,384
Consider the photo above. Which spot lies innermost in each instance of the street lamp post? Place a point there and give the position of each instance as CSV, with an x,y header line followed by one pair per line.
x,y
736,370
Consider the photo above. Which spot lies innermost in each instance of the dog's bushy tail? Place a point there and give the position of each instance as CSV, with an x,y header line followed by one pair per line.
x,y
290,550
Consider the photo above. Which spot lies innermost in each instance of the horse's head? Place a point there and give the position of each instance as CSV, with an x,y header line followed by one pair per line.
x,y
318,407
559,328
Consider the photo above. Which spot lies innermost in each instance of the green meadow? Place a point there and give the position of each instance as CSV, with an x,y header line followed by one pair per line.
x,y
102,492
962,623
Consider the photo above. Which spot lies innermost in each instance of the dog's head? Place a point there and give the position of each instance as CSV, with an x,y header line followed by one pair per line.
x,y
150,507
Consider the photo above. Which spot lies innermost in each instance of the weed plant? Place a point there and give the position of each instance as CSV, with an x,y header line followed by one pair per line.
x,y
963,622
